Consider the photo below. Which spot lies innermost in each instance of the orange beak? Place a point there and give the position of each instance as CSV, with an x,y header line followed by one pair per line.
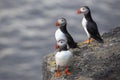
x,y
57,23
78,11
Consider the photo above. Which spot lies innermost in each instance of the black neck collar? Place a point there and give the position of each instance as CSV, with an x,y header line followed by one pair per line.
x,y
88,16
64,29
63,48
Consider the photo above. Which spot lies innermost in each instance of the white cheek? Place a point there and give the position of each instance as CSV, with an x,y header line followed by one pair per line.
x,y
81,10
84,10
58,21
62,43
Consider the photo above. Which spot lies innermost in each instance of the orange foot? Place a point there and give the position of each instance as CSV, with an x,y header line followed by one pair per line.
x,y
58,74
88,41
67,71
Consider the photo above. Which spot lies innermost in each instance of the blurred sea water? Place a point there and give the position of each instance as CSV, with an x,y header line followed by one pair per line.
x,y
27,31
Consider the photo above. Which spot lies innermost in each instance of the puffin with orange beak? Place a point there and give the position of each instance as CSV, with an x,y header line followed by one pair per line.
x,y
89,25
62,33
63,58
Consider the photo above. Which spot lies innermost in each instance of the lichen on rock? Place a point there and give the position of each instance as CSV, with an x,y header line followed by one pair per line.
x,y
91,62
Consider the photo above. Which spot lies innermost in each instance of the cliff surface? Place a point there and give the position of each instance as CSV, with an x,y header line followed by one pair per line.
x,y
91,62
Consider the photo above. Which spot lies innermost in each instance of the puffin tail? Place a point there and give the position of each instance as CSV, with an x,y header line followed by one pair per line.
x,y
100,40
72,44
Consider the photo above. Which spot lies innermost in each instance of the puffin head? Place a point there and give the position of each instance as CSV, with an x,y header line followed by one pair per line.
x,y
62,42
84,9
61,22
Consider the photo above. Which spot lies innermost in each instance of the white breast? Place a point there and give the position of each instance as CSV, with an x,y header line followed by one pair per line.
x,y
63,58
59,35
84,23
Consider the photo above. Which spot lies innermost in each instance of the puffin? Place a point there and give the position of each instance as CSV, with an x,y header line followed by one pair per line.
x,y
89,25
63,58
62,33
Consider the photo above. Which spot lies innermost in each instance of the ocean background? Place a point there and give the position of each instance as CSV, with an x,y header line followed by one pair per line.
x,y
27,30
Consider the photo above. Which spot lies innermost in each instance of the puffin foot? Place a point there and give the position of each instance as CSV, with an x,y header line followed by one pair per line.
x,y
58,74
88,41
67,71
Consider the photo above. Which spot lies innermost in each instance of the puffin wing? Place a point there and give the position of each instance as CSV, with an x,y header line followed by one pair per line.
x,y
71,42
93,31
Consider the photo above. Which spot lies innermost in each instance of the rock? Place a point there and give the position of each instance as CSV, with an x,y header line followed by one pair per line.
x,y
91,62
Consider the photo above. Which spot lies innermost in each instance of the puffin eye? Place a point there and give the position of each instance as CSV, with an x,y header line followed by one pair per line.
x,y
62,20
83,8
